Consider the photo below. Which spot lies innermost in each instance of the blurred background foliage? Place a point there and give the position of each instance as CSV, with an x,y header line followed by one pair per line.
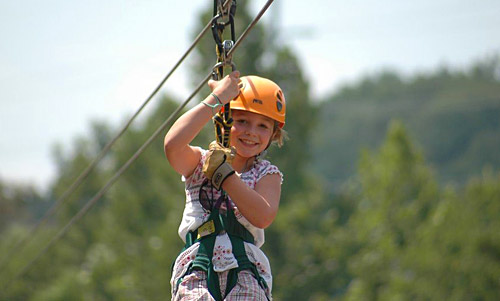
x,y
391,192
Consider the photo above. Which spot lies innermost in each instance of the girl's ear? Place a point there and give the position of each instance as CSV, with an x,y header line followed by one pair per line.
x,y
276,133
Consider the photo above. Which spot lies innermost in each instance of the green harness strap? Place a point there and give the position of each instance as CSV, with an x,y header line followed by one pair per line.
x,y
238,234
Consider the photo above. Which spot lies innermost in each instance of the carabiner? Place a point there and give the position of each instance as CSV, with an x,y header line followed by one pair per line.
x,y
221,65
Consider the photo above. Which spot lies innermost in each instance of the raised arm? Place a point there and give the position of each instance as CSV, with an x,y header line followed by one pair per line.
x,y
180,154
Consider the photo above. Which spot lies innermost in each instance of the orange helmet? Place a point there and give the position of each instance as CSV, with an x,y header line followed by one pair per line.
x,y
262,96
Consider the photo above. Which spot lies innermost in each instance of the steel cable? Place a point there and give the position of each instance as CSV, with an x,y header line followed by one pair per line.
x,y
59,202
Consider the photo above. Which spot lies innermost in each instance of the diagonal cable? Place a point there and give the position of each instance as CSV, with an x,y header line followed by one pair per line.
x,y
124,167
59,202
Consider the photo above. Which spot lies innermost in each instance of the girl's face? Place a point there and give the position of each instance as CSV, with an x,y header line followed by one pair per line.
x,y
251,133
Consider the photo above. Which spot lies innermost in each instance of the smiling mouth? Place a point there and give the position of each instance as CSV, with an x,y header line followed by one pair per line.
x,y
248,142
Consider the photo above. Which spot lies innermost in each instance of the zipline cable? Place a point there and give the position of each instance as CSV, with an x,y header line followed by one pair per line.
x,y
124,167
59,202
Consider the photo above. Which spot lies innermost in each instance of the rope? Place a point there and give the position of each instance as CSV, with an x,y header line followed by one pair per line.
x,y
106,187
223,121
59,202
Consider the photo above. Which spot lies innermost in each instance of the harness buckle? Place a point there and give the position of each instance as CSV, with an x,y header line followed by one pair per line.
x,y
206,229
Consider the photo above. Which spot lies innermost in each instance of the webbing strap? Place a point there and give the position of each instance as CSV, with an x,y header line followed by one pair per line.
x,y
238,234
221,222
234,228
222,124
223,16
203,259
243,264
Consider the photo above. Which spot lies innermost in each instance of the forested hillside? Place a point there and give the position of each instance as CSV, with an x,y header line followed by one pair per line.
x,y
453,115
388,229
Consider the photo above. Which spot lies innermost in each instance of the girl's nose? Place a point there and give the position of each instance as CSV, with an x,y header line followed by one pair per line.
x,y
250,130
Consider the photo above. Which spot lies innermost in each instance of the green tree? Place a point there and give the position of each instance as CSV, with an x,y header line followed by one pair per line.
x,y
396,195
457,253
452,113
18,204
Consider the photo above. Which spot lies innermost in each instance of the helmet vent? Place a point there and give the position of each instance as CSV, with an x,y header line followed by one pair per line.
x,y
279,104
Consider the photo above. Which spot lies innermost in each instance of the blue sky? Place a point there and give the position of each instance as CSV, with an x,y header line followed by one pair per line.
x,y
66,63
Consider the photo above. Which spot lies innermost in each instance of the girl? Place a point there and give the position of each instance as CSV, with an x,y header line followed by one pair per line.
x,y
232,195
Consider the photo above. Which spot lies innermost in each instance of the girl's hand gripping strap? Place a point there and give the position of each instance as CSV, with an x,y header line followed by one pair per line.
x,y
217,166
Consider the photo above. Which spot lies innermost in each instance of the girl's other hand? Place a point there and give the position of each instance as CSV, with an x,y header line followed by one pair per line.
x,y
227,88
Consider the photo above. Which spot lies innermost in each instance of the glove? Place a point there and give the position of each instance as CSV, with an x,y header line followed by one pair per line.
x,y
217,166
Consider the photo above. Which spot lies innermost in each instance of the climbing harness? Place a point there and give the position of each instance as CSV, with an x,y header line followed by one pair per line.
x,y
219,221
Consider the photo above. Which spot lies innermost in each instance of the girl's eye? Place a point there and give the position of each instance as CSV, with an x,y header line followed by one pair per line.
x,y
241,121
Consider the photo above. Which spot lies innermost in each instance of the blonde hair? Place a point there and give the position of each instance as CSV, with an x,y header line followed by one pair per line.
x,y
279,135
